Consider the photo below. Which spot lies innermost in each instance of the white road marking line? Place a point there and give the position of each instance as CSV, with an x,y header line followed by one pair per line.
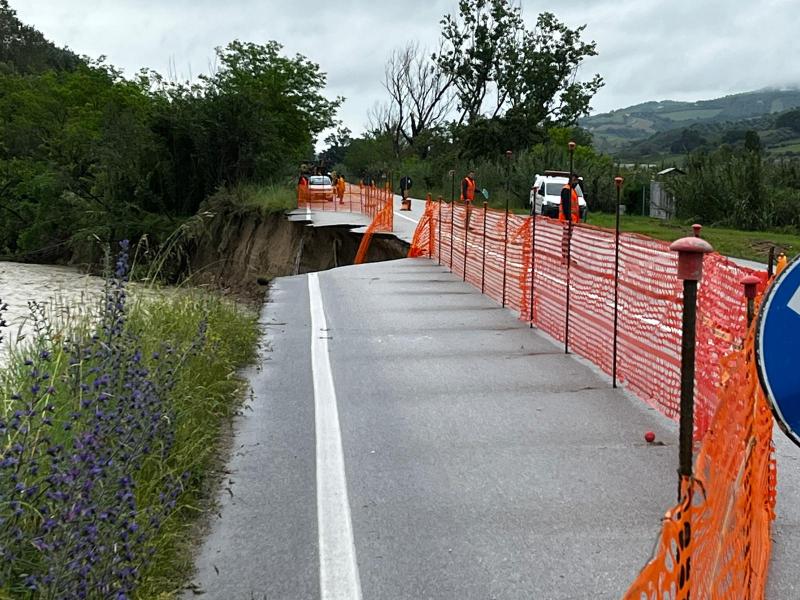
x,y
415,221
338,568
308,212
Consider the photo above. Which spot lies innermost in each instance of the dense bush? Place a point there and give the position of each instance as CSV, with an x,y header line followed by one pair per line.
x,y
739,188
88,155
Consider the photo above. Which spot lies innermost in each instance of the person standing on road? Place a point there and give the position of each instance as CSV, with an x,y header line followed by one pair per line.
x,y
569,209
468,187
340,187
405,185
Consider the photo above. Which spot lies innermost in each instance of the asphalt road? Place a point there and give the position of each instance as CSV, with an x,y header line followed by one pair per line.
x,y
463,454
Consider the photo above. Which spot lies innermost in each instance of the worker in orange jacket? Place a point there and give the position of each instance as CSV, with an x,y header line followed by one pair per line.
x,y
340,187
468,187
570,209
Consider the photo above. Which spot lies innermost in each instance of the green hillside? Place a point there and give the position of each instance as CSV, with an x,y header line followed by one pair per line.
x,y
778,134
617,129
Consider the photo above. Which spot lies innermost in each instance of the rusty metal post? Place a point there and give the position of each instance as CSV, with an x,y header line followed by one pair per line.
x,y
771,262
750,284
690,269
483,260
466,234
505,257
439,239
509,154
452,226
533,255
618,183
571,147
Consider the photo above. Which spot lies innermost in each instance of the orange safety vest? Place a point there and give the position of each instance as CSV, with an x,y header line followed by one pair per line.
x,y
470,189
575,207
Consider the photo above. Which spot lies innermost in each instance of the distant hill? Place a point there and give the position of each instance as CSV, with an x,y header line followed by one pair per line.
x,y
778,134
616,130
23,49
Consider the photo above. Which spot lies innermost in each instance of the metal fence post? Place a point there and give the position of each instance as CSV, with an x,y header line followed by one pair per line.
x,y
618,182
505,257
452,226
466,234
439,238
690,269
571,147
533,256
771,262
750,283
483,260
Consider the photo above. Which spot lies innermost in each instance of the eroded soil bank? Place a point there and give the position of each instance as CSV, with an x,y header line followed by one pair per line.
x,y
243,249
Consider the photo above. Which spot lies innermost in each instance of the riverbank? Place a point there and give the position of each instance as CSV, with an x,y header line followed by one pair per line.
x,y
109,427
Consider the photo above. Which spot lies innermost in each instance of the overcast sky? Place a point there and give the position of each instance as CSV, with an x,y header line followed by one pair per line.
x,y
648,49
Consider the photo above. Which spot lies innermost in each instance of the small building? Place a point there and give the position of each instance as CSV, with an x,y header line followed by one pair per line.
x,y
662,203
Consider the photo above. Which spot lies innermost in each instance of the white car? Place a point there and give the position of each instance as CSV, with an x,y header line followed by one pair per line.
x,y
546,193
320,188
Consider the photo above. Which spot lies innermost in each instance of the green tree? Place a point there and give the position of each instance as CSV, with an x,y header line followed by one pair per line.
x,y
496,63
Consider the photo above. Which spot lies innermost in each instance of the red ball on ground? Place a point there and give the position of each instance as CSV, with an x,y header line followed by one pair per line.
x,y
650,437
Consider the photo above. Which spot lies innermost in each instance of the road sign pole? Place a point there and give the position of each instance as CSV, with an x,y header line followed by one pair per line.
x,y
618,183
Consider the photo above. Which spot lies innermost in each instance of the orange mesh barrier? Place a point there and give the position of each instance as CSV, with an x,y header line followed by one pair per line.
x,y
715,544
365,199
382,221
425,235
517,267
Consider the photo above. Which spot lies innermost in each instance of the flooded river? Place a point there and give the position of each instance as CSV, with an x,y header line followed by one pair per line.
x,y
66,290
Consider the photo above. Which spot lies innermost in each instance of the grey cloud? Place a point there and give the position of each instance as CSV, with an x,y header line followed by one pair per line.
x,y
648,50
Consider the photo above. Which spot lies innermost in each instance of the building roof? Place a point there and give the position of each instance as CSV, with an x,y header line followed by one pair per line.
x,y
671,171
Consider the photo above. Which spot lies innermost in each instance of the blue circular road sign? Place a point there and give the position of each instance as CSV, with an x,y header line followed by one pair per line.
x,y
778,347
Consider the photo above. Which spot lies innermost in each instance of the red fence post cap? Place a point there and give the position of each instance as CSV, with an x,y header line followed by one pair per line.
x,y
690,256
696,228
618,181
750,284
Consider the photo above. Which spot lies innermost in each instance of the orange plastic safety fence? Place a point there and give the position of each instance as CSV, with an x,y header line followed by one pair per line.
x,y
381,222
715,544
357,198
519,262
424,238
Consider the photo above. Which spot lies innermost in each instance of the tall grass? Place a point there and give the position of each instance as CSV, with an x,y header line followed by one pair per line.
x,y
107,431
269,198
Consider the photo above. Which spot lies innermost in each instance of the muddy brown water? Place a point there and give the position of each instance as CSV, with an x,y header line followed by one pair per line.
x,y
65,290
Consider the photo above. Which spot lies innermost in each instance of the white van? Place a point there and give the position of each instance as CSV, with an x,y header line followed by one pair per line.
x,y
546,193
